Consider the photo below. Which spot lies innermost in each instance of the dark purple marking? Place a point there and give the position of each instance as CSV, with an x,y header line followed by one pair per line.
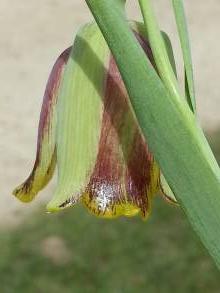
x,y
122,171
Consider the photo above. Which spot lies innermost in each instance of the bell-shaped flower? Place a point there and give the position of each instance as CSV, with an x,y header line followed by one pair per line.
x,y
87,127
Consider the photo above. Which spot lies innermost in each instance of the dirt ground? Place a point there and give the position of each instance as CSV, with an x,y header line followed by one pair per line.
x,y
33,33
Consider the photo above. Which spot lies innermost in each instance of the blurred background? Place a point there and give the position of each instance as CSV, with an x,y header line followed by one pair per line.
x,y
73,251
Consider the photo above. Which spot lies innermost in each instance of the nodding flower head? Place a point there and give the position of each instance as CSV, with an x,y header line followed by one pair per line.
x,y
88,129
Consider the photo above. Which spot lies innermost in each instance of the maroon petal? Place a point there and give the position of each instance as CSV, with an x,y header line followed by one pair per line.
x,y
125,176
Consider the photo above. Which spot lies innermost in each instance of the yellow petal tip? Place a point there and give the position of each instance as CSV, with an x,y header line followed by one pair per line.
x,y
23,193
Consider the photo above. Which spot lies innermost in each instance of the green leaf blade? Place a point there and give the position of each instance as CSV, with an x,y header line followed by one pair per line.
x,y
186,50
170,128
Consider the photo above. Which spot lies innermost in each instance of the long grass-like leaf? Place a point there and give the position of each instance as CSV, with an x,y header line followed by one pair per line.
x,y
185,44
169,126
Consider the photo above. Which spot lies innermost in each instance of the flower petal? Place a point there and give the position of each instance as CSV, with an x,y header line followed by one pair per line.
x,y
103,160
95,143
80,108
125,176
46,155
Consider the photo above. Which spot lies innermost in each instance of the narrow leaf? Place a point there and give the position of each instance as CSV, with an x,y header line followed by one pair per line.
x,y
185,44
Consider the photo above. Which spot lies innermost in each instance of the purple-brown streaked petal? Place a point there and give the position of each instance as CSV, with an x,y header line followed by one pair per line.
x,y
46,151
125,176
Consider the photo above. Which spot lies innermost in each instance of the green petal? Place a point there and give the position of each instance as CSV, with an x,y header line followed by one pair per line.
x,y
80,108
46,155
